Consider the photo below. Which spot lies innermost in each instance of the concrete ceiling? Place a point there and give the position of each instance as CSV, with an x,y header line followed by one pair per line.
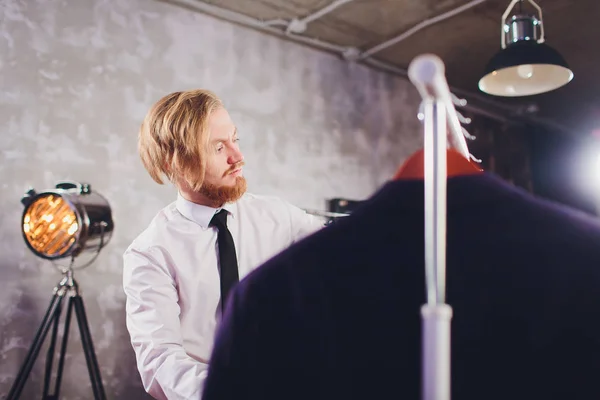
x,y
464,33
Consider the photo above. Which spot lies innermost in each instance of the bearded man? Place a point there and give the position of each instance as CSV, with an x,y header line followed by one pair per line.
x,y
180,269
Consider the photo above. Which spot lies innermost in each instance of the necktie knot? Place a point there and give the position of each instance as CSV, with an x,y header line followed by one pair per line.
x,y
219,219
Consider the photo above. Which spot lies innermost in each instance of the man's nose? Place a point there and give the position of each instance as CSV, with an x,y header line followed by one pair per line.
x,y
236,156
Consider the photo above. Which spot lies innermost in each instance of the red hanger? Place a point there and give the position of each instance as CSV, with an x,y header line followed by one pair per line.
x,y
457,164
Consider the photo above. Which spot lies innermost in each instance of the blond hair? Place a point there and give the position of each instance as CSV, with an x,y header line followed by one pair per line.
x,y
174,136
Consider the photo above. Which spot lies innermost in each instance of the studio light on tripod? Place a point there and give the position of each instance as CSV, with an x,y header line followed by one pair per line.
x,y
58,224
66,221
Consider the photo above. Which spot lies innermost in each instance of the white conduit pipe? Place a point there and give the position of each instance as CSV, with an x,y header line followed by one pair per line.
x,y
276,22
299,25
325,10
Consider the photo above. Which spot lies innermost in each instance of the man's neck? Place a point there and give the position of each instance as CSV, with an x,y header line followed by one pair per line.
x,y
199,198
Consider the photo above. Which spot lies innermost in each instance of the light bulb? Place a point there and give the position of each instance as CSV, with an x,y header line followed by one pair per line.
x,y
525,71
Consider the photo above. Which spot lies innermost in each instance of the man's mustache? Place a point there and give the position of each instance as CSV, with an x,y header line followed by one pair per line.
x,y
234,167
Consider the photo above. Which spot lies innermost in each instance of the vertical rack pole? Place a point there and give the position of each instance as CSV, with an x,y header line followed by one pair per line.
x,y
436,315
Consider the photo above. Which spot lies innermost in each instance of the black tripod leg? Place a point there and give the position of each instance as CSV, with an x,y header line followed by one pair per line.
x,y
50,354
63,348
88,348
15,390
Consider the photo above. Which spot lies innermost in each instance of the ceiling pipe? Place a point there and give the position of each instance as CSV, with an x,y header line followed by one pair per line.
x,y
350,53
277,22
296,25
300,25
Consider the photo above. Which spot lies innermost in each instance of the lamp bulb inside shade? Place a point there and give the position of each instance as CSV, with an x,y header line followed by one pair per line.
x,y
525,71
50,225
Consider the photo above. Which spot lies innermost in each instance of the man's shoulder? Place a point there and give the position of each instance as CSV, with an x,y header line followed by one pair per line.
x,y
260,202
154,231
253,198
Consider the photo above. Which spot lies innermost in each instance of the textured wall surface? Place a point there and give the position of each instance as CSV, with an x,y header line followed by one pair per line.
x,y
76,78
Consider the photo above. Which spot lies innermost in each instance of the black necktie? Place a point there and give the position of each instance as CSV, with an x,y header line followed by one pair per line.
x,y
227,257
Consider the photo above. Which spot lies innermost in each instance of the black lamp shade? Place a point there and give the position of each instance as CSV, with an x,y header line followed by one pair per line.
x,y
525,68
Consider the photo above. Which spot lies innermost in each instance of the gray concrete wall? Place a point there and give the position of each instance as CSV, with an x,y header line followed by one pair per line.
x,y
76,78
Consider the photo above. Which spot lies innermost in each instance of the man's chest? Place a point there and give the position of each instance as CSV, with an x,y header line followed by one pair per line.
x,y
194,255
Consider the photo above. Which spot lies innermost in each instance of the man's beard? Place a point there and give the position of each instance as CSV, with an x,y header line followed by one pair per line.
x,y
219,195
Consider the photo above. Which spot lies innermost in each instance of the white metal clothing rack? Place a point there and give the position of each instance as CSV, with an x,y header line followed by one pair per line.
x,y
442,127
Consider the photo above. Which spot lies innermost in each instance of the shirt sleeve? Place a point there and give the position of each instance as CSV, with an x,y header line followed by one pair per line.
x,y
303,224
152,317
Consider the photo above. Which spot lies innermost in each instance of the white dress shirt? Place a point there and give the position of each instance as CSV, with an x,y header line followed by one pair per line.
x,y
171,281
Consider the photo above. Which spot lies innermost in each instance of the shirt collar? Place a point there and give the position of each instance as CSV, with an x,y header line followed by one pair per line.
x,y
198,213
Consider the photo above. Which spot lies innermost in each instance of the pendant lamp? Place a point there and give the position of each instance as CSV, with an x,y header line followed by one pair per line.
x,y
526,65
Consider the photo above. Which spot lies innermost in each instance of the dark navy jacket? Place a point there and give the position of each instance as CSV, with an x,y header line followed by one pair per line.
x,y
337,316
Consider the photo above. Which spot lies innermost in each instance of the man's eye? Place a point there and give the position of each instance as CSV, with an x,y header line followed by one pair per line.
x,y
235,140
219,148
